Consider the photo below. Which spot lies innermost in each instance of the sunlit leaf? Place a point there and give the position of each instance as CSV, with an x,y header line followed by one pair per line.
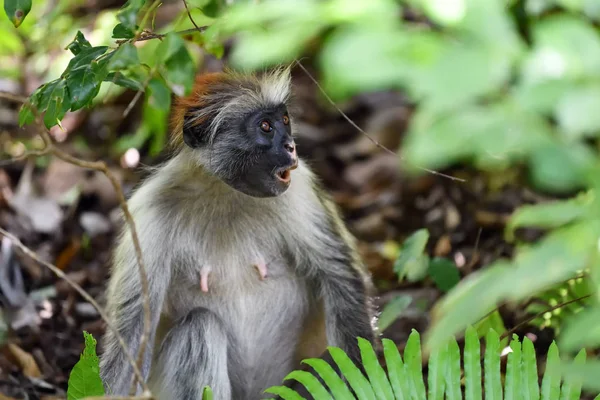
x,y
529,373
411,262
413,365
577,111
560,168
472,365
396,371
491,361
355,378
375,373
581,330
513,387
84,380
17,10
551,380
392,310
550,215
453,372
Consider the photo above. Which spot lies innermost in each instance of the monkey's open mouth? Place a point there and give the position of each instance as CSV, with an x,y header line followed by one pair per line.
x,y
284,175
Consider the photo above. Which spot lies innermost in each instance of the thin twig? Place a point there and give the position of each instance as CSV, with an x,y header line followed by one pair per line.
x,y
79,290
190,15
373,140
528,320
102,167
150,36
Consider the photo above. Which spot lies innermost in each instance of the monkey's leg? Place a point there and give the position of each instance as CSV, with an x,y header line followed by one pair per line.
x,y
192,355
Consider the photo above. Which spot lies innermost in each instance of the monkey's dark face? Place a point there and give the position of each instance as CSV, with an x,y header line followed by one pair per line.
x,y
255,154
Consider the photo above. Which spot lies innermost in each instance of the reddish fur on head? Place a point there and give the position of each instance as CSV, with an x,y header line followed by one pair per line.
x,y
194,100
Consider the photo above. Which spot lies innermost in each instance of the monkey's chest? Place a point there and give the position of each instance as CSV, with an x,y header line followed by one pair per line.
x,y
258,311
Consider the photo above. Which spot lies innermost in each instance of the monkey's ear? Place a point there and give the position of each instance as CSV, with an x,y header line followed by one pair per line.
x,y
194,134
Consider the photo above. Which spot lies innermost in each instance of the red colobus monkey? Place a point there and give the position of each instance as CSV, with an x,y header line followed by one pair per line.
x,y
234,198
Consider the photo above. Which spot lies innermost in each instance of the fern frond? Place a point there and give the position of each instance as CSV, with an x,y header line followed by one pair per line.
x,y
404,378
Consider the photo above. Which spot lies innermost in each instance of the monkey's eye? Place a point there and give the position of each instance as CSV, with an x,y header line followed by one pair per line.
x,y
286,120
265,126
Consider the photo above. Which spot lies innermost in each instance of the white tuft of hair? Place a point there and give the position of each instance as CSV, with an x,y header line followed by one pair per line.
x,y
276,85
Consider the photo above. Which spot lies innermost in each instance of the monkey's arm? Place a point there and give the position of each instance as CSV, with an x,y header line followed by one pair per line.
x,y
125,306
342,284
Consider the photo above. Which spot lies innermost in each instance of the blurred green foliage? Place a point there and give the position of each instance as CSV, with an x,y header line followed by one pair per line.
x,y
498,84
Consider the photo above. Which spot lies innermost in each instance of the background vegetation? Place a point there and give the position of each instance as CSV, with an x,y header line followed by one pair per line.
x,y
502,97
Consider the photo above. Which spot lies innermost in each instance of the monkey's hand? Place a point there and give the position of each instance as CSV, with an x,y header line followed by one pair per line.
x,y
204,272
261,267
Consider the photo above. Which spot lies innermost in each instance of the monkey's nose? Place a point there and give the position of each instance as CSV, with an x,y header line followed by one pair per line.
x,y
290,147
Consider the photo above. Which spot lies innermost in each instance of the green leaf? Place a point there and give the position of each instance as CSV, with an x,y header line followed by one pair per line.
x,y
392,310
529,375
119,79
84,85
582,329
78,44
436,373
207,393
376,374
336,385
84,380
178,68
559,168
491,361
84,58
17,10
413,366
120,31
355,378
311,383
514,391
26,115
58,103
453,386
411,262
472,365
285,393
444,273
124,57
555,258
550,215
492,321
492,136
565,46
551,380
397,373
127,16
571,387
577,112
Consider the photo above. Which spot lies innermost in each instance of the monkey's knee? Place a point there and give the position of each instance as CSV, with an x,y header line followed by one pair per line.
x,y
192,355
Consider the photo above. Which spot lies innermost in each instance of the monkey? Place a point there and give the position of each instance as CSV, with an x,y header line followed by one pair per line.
x,y
234,198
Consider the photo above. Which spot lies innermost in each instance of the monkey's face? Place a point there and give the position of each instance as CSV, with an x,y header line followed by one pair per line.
x,y
255,154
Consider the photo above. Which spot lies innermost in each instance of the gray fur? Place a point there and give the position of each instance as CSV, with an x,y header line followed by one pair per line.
x,y
188,218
